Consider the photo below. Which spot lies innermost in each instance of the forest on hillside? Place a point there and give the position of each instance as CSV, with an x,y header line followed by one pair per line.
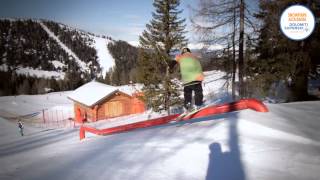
x,y
125,70
24,44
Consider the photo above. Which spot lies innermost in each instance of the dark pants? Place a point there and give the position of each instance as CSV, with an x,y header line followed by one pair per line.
x,y
197,89
21,131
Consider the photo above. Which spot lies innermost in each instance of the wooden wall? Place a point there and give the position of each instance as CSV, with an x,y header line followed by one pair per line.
x,y
119,104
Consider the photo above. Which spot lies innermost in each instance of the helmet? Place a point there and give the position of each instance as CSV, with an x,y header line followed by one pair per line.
x,y
184,50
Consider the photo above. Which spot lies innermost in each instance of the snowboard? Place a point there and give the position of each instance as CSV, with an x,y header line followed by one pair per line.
x,y
190,113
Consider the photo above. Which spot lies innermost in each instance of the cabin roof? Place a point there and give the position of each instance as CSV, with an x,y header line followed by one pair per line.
x,y
92,93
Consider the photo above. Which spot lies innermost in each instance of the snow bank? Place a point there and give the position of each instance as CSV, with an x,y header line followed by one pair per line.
x,y
27,104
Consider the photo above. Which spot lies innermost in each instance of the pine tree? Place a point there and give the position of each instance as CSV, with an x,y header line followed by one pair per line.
x,y
281,59
164,34
125,57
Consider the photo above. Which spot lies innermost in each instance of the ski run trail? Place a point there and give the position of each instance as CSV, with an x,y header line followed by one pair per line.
x,y
282,144
81,64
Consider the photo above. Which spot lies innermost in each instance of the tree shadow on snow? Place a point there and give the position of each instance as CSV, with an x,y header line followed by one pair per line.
x,y
226,165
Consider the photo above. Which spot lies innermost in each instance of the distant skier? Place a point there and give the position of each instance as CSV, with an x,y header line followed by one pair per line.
x,y
20,126
192,77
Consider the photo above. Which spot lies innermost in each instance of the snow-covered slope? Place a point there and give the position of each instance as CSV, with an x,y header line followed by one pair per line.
x,y
247,145
81,64
106,61
281,144
55,61
14,106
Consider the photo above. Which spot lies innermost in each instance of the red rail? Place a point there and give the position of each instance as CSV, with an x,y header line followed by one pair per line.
x,y
229,107
212,110
127,127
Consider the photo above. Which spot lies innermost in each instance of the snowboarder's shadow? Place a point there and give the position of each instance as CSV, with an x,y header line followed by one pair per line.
x,y
226,165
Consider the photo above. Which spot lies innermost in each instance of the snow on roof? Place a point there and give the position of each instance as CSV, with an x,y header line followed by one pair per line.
x,y
91,93
130,89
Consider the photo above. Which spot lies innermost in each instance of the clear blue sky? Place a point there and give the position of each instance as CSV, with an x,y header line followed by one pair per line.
x,y
120,19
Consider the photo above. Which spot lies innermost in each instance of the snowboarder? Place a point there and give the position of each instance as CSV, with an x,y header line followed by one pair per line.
x,y
20,126
192,77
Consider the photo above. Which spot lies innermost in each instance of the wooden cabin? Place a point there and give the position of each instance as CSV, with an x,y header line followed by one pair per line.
x,y
96,101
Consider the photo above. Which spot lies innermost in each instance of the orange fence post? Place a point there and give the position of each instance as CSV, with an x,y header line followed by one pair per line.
x,y
82,133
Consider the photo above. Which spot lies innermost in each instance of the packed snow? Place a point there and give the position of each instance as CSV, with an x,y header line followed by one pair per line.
x,y
245,145
106,61
25,104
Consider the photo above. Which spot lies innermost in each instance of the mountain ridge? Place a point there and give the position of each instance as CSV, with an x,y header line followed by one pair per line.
x,y
34,49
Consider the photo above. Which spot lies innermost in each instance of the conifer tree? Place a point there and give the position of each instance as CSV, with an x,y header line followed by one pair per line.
x,y
164,34
280,59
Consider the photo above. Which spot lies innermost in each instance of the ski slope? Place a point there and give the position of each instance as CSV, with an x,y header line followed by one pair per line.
x,y
14,106
281,144
81,64
245,145
106,60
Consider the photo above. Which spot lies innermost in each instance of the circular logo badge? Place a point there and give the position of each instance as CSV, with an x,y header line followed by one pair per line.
x,y
297,22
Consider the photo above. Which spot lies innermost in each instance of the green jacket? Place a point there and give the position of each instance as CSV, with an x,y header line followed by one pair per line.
x,y
190,68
